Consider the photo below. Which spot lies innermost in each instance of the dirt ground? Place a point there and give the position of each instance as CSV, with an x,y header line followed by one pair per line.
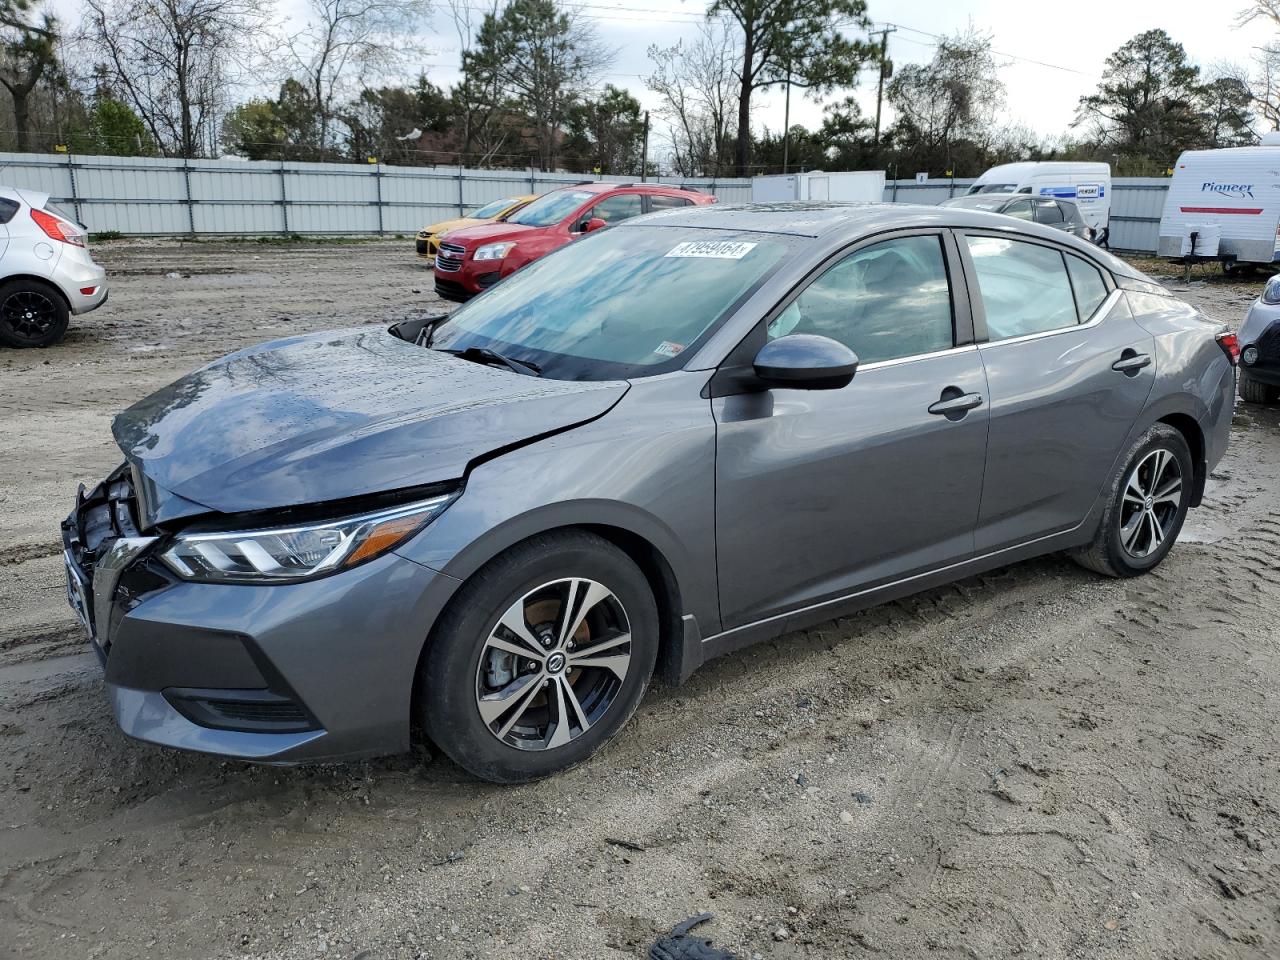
x,y
1033,763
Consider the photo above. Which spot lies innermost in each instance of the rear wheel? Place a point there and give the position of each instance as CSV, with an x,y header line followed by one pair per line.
x,y
1255,392
1147,504
32,314
540,659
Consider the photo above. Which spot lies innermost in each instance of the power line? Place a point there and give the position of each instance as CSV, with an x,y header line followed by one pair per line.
x,y
1012,56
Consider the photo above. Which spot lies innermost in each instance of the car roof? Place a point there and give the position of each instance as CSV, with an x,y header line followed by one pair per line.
x,y
604,186
1007,195
839,222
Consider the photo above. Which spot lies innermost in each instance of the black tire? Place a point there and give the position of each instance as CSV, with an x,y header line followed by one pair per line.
x,y
32,314
1107,554
450,683
1252,391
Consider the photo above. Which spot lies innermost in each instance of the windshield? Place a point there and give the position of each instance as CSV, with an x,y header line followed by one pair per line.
x,y
993,188
974,202
621,302
550,208
492,209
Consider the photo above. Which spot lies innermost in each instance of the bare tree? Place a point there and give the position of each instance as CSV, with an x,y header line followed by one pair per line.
x,y
28,40
956,96
174,62
699,87
349,43
1263,78
477,99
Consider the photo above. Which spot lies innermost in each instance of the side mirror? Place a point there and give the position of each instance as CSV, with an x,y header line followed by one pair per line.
x,y
802,361
594,223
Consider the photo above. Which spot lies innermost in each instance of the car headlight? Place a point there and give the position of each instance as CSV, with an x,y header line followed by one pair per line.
x,y
494,251
300,551
1271,292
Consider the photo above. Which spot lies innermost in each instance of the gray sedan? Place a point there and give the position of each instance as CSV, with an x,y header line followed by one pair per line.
x,y
690,432
1051,211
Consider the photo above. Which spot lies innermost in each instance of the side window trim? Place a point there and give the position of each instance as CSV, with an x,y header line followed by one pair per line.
x,y
979,310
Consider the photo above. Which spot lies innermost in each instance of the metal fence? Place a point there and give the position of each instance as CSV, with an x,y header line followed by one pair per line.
x,y
156,197
1136,203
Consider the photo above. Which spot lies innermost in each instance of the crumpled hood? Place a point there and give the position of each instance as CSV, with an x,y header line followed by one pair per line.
x,y
336,415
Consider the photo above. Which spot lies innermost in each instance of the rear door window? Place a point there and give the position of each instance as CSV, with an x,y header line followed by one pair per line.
x,y
659,201
1047,211
1024,287
1018,208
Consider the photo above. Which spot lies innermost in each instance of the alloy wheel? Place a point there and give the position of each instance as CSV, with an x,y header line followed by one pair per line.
x,y
29,314
1152,499
553,664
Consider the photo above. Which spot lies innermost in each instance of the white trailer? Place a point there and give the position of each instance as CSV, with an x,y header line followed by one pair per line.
x,y
1224,205
1088,185
850,185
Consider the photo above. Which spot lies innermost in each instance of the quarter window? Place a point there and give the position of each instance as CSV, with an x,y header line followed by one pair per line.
x,y
1089,287
1024,287
885,301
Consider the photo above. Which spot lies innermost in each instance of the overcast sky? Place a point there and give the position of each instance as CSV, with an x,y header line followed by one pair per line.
x,y
1073,39
1070,41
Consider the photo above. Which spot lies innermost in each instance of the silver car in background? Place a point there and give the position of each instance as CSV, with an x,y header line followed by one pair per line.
x,y
1051,211
1260,347
46,272
677,436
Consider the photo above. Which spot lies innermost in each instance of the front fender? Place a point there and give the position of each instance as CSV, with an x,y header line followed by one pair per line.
x,y
647,468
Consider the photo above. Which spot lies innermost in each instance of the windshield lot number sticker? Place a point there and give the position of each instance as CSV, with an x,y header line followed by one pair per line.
x,y
668,349
713,249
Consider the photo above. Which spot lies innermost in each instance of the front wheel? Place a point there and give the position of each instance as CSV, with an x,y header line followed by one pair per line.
x,y
540,659
1147,504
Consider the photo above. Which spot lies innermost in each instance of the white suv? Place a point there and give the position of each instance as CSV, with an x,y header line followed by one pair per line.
x,y
46,272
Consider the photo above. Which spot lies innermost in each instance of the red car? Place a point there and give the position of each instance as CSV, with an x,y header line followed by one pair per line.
x,y
473,259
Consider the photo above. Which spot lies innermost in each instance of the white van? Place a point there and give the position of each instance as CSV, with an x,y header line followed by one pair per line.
x,y
1230,200
1088,184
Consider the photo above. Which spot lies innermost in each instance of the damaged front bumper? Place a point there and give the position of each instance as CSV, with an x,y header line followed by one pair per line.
x,y
317,670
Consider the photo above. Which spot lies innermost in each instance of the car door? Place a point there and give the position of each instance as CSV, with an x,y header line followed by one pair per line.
x,y
821,493
1068,371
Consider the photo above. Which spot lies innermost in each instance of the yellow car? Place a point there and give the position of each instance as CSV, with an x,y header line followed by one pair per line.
x,y
429,237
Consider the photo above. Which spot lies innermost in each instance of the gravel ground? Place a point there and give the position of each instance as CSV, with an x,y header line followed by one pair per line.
x,y
1032,763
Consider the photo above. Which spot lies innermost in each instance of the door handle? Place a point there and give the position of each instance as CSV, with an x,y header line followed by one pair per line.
x,y
956,405
1132,363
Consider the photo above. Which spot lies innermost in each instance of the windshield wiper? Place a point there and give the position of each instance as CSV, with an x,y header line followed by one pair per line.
x,y
493,357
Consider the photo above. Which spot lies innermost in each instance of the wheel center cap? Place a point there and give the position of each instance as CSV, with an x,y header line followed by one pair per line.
x,y
1150,503
556,662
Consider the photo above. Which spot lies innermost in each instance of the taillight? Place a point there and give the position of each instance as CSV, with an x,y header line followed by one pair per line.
x,y
56,228
1230,345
